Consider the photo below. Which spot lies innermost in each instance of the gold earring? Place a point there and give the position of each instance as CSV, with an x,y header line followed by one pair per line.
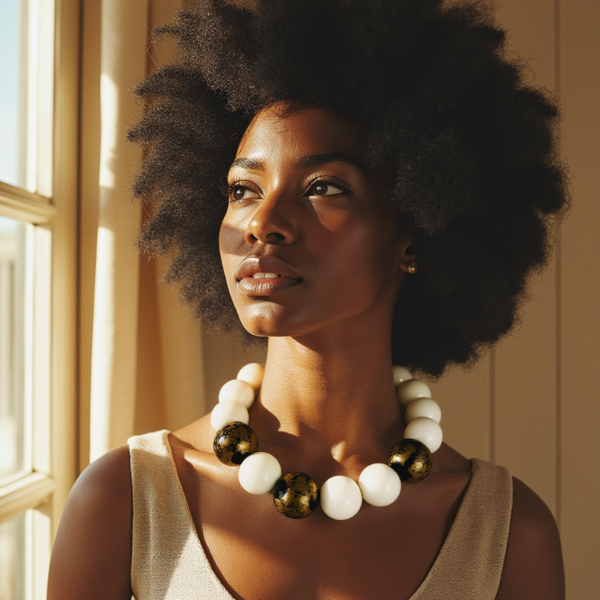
x,y
413,268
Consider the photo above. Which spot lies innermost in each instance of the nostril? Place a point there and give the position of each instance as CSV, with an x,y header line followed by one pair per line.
x,y
271,238
275,237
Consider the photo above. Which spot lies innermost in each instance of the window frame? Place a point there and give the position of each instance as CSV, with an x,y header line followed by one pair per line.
x,y
42,493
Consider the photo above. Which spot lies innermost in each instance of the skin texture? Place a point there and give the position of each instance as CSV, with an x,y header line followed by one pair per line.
x,y
327,405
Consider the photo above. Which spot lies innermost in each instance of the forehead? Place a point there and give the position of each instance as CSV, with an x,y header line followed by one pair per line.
x,y
312,130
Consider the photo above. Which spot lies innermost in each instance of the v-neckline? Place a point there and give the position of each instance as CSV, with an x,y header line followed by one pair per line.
x,y
439,559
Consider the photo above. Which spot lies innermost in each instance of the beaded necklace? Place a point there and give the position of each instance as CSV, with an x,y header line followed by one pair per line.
x,y
296,495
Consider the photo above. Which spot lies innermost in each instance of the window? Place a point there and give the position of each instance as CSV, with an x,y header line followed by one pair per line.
x,y
37,283
25,473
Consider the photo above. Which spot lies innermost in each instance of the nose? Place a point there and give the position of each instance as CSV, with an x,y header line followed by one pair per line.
x,y
272,222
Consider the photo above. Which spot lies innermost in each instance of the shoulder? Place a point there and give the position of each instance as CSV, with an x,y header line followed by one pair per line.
x,y
533,567
92,552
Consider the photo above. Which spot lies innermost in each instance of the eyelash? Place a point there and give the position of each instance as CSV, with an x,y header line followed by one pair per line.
x,y
228,189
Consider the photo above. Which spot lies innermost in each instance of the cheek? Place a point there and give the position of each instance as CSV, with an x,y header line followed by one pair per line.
x,y
359,267
231,239
359,250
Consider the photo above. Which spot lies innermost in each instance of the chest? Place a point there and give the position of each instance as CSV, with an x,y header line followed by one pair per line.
x,y
380,553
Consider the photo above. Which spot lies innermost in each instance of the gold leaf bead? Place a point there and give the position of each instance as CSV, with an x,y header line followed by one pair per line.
x,y
296,495
411,459
234,442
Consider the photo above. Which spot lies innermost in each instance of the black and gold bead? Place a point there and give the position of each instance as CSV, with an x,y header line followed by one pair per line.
x,y
296,495
411,460
234,442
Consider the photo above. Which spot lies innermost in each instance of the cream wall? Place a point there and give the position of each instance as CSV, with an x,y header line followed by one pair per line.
x,y
532,404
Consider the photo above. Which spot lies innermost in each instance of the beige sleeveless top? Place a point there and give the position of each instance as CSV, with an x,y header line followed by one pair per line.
x,y
169,562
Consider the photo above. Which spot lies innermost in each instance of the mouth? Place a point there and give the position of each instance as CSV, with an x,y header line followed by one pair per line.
x,y
265,275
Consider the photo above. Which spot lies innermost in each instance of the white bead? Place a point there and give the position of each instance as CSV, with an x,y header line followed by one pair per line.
x,y
379,484
423,407
400,374
426,431
340,498
237,390
259,473
253,374
227,411
411,390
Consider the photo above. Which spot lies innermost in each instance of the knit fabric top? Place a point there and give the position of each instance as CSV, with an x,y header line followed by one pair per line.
x,y
169,561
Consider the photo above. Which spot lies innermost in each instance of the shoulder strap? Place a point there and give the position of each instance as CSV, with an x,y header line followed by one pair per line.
x,y
168,561
469,565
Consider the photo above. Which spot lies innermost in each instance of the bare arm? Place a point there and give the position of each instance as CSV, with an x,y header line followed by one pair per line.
x,y
91,558
533,568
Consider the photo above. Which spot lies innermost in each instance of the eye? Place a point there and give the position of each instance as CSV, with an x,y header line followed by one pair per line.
x,y
324,188
238,193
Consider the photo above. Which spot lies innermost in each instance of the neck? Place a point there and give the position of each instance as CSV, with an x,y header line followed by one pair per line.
x,y
329,399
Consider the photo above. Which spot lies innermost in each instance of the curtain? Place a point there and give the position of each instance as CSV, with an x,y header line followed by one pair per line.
x,y
114,344
140,351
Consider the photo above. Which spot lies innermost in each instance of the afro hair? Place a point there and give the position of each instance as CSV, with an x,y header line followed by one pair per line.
x,y
472,145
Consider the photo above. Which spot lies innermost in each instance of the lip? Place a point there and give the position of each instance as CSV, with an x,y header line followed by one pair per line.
x,y
250,286
265,264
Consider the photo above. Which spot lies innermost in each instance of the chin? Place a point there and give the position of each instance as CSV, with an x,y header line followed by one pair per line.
x,y
267,328
268,320
263,321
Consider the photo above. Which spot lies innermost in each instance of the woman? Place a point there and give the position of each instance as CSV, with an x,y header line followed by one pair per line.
x,y
390,184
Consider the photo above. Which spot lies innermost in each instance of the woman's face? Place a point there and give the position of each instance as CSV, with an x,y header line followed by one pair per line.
x,y
310,238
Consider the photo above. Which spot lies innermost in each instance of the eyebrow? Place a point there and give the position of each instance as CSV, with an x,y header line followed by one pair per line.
x,y
313,160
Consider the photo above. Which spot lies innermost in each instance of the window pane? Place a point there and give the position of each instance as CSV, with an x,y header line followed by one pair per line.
x,y
26,93
13,325
12,98
12,558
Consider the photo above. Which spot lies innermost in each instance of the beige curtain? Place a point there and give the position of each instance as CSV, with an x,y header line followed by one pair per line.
x,y
140,351
114,343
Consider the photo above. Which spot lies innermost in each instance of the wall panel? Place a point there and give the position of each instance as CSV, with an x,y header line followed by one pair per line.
x,y
580,300
525,377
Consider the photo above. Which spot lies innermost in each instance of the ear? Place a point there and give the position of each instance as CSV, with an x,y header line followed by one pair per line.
x,y
407,253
